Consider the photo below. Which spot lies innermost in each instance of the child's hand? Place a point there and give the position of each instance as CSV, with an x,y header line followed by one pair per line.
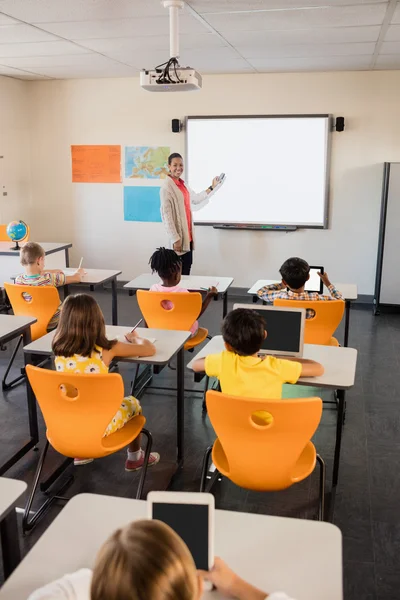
x,y
212,291
131,337
325,279
80,272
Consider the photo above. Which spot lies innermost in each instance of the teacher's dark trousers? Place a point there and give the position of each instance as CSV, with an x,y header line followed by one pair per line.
x,y
187,260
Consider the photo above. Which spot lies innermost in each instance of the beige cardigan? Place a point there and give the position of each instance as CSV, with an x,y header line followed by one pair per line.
x,y
173,213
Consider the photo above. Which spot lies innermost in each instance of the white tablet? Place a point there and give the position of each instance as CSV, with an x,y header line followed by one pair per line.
x,y
191,516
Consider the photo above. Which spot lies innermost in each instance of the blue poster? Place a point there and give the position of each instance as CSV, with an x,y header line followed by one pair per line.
x,y
142,204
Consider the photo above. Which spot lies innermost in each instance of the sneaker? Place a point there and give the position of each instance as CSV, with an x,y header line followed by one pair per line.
x,y
82,461
135,465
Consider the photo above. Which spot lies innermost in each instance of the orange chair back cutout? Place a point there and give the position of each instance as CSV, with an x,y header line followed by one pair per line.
x,y
76,423
4,237
320,328
44,303
261,456
169,311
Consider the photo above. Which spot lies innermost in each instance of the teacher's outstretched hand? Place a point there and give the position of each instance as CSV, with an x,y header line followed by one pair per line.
x,y
177,200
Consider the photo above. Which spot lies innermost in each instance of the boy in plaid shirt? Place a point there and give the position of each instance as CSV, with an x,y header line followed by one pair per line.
x,y
295,273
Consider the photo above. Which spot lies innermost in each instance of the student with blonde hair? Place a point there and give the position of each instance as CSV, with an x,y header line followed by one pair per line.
x,y
32,258
80,345
147,560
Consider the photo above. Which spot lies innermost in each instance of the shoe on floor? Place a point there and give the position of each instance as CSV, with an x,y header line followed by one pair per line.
x,y
82,461
135,465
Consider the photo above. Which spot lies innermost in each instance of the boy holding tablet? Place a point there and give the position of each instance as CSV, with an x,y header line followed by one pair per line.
x,y
295,273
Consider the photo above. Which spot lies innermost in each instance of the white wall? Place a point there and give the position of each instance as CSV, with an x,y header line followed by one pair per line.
x,y
117,111
15,150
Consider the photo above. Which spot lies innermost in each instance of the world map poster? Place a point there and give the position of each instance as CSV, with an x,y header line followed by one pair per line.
x,y
146,162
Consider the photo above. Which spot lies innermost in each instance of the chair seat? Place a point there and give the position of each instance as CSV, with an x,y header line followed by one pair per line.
x,y
112,443
306,463
303,468
200,336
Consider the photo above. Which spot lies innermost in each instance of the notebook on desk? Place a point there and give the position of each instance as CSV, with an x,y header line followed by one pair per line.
x,y
285,329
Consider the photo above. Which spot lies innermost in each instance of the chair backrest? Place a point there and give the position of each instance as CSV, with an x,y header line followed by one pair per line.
x,y
262,456
163,310
76,425
320,328
5,238
43,304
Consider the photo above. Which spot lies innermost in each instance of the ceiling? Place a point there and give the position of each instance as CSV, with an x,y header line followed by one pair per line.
x,y
65,39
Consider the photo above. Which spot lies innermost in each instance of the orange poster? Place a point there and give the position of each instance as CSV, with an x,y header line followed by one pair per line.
x,y
96,164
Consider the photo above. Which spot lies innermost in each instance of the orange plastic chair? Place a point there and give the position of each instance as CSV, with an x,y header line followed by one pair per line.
x,y
184,312
45,301
261,456
76,423
320,328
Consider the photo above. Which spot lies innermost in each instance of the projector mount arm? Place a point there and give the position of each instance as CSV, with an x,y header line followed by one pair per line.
x,y
168,70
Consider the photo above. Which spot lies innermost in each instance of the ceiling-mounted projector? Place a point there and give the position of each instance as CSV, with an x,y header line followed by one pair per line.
x,y
170,76
188,80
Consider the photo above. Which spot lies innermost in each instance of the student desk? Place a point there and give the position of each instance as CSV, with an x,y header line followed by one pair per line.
x,y
12,327
303,558
348,290
193,283
168,344
340,369
56,255
11,491
96,277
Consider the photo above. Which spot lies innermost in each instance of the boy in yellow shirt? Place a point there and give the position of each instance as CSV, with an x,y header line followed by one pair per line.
x,y
239,368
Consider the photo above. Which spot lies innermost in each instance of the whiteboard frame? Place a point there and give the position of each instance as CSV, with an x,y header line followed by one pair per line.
x,y
274,226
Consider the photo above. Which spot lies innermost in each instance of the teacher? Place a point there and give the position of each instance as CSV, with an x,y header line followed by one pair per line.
x,y
177,200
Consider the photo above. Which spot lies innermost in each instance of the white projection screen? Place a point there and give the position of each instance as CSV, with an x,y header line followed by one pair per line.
x,y
276,167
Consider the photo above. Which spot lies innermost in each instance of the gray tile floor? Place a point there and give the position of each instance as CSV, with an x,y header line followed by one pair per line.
x,y
367,499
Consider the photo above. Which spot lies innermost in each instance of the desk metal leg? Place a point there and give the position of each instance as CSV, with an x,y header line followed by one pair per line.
x,y
66,288
114,301
339,429
32,409
180,398
225,306
347,323
10,543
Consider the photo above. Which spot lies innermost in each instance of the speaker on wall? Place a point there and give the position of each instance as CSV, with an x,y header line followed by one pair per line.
x,y
339,125
176,126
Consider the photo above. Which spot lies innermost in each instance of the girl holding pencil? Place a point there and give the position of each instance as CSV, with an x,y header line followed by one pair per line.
x,y
80,345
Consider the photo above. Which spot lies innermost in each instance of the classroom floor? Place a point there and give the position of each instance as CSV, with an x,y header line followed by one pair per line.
x,y
367,499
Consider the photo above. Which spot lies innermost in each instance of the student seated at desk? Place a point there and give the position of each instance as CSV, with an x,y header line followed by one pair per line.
x,y
32,258
168,266
80,345
295,273
239,368
147,560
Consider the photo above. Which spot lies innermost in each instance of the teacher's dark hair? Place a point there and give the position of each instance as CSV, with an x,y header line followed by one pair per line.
x,y
172,156
165,262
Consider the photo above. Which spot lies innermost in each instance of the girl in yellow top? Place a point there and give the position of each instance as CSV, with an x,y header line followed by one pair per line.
x,y
80,345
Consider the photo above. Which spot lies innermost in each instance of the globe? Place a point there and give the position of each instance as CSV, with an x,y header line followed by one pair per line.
x,y
17,231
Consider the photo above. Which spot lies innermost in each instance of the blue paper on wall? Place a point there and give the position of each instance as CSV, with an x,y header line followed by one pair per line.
x,y
142,203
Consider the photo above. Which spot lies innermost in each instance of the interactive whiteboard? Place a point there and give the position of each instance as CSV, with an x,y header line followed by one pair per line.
x,y
276,167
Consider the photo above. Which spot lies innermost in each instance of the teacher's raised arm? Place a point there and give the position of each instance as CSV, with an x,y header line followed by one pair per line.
x,y
176,210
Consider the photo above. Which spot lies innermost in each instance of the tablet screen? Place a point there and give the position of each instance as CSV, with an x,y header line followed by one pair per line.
x,y
190,522
284,330
314,284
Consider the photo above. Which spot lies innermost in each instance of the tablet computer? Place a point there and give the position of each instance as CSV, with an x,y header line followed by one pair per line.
x,y
314,284
191,516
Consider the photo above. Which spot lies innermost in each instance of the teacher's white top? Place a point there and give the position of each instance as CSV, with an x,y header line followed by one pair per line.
x,y
303,558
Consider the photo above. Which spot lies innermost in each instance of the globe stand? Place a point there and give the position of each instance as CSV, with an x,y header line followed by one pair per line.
x,y
16,247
